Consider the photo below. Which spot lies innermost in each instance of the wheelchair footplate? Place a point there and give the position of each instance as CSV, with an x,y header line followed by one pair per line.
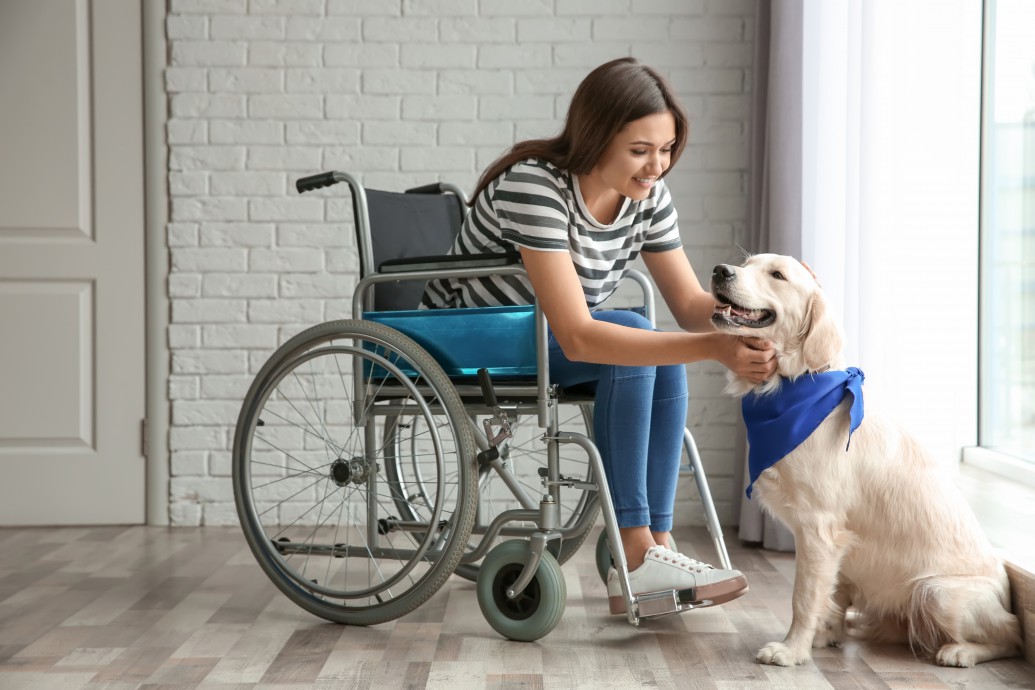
x,y
666,603
661,603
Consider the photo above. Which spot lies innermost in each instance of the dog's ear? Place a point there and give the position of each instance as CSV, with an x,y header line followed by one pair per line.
x,y
822,340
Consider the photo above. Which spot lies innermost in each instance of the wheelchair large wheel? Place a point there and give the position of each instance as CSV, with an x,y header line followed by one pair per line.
x,y
533,613
316,500
524,455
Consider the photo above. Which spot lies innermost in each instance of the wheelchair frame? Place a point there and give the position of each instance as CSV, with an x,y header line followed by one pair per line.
x,y
515,568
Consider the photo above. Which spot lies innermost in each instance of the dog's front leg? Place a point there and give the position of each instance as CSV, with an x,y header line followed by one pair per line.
x,y
831,629
820,546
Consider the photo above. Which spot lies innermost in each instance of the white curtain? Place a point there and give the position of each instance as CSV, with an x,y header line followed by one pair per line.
x,y
865,163
775,216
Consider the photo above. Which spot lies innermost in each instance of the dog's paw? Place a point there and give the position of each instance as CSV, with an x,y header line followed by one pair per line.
x,y
779,654
826,638
828,635
960,655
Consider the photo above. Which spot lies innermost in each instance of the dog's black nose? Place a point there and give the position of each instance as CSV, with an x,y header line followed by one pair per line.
x,y
722,273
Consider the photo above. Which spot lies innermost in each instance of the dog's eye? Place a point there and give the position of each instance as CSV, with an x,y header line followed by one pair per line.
x,y
777,275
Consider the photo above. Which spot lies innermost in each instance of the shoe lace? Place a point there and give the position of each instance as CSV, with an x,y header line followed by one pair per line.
x,y
681,561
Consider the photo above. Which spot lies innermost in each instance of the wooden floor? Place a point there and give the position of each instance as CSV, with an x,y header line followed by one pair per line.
x,y
121,608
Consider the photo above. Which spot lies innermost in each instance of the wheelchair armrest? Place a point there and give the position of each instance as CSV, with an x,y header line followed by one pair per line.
x,y
442,188
647,289
433,188
446,262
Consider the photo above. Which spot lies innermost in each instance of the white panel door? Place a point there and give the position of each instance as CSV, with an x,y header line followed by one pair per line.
x,y
71,263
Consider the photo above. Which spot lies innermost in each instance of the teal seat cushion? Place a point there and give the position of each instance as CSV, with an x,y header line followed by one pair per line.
x,y
462,341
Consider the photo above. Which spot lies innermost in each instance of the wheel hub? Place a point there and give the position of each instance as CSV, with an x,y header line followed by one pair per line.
x,y
522,606
352,471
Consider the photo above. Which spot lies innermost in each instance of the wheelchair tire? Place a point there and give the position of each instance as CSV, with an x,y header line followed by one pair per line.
x,y
603,556
533,613
317,507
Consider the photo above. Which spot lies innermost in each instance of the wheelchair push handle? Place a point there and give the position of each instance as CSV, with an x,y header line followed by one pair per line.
x,y
317,181
499,416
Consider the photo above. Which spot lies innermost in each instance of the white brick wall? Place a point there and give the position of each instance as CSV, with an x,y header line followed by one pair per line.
x,y
400,93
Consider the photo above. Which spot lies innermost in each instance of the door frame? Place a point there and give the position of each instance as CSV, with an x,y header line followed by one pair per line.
x,y
156,264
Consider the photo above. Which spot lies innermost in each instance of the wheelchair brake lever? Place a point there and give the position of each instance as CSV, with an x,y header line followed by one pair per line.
x,y
504,432
499,416
495,439
488,392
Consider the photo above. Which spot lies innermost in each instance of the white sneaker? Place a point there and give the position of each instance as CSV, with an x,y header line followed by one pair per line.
x,y
666,570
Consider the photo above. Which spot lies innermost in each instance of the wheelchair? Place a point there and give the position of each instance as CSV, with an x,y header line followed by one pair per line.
x,y
377,456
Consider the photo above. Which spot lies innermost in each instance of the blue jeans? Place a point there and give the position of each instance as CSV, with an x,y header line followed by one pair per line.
x,y
639,414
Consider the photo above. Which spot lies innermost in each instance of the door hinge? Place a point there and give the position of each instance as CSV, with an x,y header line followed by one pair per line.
x,y
143,437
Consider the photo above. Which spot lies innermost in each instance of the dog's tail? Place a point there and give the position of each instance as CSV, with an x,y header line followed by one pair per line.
x,y
960,609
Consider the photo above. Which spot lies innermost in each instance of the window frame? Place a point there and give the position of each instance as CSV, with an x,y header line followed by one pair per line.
x,y
995,461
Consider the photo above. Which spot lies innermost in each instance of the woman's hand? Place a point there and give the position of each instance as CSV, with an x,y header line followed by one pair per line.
x,y
749,358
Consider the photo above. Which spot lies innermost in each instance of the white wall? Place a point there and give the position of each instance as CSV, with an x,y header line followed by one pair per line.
x,y
401,93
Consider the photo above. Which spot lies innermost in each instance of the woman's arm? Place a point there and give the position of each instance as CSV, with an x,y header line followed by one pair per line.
x,y
585,339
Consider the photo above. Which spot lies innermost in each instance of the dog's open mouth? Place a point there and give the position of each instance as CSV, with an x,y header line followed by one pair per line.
x,y
726,312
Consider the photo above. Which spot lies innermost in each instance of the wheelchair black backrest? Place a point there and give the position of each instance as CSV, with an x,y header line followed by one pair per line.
x,y
417,223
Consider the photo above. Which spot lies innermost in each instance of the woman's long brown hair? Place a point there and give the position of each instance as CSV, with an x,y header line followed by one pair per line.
x,y
611,96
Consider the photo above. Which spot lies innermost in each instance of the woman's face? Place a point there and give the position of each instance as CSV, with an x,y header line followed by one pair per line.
x,y
637,155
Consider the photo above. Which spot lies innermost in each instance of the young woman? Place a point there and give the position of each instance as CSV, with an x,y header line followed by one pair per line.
x,y
579,208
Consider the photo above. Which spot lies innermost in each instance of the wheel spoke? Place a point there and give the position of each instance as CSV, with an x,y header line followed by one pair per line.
x,y
314,492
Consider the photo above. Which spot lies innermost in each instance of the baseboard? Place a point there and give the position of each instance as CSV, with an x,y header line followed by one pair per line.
x,y
1022,590
1006,509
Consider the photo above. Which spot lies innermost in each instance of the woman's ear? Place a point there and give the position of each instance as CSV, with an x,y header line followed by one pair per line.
x,y
822,342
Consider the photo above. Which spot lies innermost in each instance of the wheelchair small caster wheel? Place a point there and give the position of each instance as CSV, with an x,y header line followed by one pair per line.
x,y
533,613
604,554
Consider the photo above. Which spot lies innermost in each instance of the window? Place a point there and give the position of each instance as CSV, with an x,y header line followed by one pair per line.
x,y
1007,305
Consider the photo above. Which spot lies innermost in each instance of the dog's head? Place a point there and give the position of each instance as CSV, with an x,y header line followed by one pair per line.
x,y
775,297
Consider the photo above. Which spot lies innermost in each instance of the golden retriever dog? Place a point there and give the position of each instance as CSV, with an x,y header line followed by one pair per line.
x,y
877,527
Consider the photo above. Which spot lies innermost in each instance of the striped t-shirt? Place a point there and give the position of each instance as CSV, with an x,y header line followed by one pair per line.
x,y
537,205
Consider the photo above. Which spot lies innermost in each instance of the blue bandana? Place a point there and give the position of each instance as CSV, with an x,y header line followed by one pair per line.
x,y
779,422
